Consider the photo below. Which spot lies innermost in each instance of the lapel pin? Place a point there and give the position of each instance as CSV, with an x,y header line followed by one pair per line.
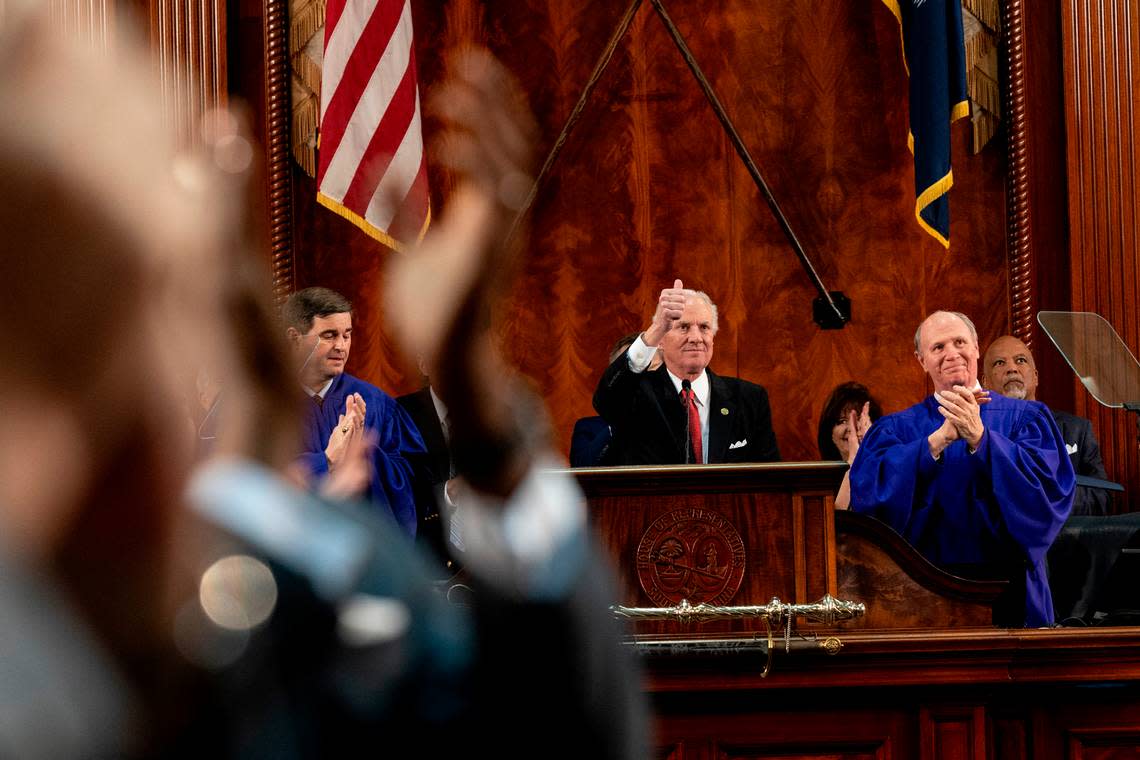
x,y
724,411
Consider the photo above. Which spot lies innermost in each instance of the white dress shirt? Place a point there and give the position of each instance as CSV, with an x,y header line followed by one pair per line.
x,y
641,355
321,393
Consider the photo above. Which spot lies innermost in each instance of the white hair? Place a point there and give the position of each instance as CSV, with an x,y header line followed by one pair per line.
x,y
712,306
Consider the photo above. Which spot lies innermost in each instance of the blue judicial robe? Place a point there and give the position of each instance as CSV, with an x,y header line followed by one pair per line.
x,y
391,485
1003,504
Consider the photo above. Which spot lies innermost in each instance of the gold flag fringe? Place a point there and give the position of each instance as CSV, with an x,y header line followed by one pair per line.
x,y
981,20
306,119
985,125
985,92
986,11
308,72
306,20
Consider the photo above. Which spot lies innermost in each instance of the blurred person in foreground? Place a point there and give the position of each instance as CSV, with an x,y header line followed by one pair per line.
x,y
109,234
846,417
359,649
264,622
977,484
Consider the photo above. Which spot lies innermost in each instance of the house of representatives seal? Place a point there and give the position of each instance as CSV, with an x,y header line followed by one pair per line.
x,y
692,554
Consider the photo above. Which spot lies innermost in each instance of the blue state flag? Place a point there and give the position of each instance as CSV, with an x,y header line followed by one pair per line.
x,y
935,60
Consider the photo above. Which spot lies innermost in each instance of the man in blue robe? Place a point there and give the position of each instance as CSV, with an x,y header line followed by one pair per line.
x,y
966,479
342,407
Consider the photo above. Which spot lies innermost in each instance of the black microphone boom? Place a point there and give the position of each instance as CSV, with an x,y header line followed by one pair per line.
x,y
686,391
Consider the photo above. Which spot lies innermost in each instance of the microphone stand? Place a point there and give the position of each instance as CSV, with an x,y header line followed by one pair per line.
x,y
686,389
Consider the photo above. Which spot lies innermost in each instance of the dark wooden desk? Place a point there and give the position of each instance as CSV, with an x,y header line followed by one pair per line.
x,y
1094,571
923,675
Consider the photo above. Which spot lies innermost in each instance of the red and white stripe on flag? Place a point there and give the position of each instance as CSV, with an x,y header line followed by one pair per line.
x,y
372,169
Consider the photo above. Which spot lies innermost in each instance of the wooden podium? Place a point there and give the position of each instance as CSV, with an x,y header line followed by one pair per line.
x,y
922,674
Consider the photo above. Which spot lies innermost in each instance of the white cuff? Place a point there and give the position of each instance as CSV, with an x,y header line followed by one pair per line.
x,y
640,355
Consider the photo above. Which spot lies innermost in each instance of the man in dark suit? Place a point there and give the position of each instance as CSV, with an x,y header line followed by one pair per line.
x,y
432,470
683,413
1008,368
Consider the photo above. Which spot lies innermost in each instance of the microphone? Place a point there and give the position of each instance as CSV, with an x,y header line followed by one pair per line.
x,y
686,391
310,356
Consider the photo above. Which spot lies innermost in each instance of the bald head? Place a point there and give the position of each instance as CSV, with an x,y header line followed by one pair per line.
x,y
1008,368
946,345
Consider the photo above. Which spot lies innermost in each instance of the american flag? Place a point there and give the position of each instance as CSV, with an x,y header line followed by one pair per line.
x,y
372,168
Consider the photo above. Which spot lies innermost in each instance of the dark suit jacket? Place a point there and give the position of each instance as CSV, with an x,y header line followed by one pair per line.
x,y
429,472
648,419
590,443
1077,431
420,408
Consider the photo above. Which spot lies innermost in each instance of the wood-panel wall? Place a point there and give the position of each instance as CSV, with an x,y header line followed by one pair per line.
x,y
189,40
648,189
1102,118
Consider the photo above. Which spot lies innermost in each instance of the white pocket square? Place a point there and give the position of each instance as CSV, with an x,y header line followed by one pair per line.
x,y
738,444
1071,448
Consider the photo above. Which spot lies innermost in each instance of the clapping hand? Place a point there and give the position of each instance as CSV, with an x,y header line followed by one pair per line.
x,y
350,426
961,409
439,298
854,430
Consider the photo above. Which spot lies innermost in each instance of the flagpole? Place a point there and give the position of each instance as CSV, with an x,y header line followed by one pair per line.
x,y
575,114
833,320
832,309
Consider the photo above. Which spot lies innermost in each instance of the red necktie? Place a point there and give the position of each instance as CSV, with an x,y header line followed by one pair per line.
x,y
690,401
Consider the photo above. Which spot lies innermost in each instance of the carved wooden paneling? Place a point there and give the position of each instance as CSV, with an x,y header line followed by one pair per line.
x,y
901,589
1106,729
1102,86
648,189
785,716
772,566
189,40
742,534
782,733
953,733
1009,734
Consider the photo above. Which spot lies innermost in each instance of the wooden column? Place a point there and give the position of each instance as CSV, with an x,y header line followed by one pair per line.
x,y
1102,72
189,39
279,160
1019,239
